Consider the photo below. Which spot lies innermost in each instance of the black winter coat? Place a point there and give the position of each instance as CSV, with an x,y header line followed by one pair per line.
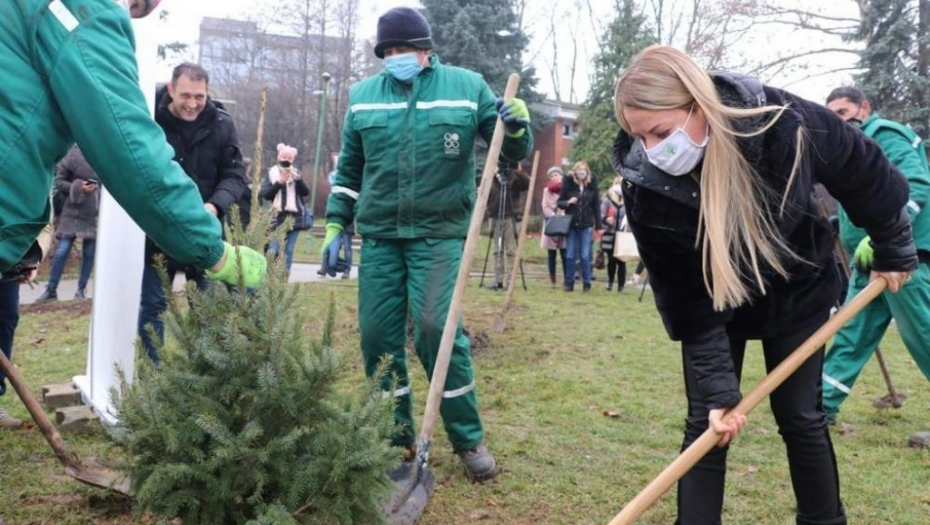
x,y
269,191
586,212
662,212
212,159
79,213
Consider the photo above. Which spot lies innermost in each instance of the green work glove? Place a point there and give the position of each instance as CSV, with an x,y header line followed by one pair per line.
x,y
332,231
253,266
864,255
515,115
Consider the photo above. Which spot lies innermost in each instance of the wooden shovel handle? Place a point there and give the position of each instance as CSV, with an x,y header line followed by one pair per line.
x,y
678,468
48,429
441,368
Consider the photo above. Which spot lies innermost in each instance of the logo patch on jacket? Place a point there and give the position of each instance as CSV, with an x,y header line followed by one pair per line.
x,y
452,145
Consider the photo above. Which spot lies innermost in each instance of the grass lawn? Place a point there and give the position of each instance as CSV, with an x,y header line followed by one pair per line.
x,y
583,404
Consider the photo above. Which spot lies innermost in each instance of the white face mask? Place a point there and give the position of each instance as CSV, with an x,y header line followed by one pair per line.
x,y
581,174
677,154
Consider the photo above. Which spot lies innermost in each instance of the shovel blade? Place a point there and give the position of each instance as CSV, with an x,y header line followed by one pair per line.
x,y
890,401
414,486
93,473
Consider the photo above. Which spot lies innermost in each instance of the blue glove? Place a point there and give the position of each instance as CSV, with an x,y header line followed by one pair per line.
x,y
864,255
515,115
332,231
241,259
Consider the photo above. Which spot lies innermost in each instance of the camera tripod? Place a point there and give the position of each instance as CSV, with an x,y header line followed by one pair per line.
x,y
496,234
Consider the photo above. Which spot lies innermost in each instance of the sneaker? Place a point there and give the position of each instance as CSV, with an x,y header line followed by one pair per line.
x,y
321,272
8,422
568,287
586,288
345,275
47,296
479,464
609,287
79,295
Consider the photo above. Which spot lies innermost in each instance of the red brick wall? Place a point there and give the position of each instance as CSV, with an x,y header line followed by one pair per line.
x,y
552,147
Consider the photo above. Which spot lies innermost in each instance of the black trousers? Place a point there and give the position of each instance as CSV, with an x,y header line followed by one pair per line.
x,y
798,411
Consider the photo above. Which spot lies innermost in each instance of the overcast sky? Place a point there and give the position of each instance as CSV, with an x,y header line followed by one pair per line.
x,y
186,16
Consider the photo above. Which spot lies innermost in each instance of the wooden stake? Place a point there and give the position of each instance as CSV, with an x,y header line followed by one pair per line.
x,y
259,150
518,257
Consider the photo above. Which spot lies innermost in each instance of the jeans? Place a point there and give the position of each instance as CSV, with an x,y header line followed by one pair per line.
x,y
88,250
579,243
153,304
9,318
798,412
290,241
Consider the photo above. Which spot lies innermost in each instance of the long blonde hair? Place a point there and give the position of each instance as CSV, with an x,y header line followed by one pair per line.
x,y
736,230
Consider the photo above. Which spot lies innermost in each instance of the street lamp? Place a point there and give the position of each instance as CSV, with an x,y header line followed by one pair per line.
x,y
319,141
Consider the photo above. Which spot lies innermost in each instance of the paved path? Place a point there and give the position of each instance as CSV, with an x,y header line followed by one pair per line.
x,y
300,273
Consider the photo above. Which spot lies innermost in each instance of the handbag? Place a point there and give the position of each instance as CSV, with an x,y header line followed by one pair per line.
x,y
625,248
304,220
557,225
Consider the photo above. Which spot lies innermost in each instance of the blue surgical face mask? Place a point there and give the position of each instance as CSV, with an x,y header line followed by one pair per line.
x,y
403,67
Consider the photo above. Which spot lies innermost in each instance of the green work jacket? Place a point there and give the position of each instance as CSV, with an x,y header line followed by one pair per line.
x,y
70,75
407,165
906,151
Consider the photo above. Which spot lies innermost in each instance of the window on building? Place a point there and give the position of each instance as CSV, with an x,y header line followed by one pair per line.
x,y
567,130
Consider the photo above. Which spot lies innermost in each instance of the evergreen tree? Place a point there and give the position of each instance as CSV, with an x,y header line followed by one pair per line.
x,y
242,422
483,36
626,35
896,60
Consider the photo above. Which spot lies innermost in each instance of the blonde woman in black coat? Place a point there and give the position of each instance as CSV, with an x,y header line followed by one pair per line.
x,y
580,199
718,185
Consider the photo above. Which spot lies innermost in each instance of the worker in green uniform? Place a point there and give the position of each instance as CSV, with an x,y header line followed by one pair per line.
x,y
406,175
910,307
71,76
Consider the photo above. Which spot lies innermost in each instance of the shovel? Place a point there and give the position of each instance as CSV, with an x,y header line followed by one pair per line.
x,y
91,471
518,257
414,481
683,463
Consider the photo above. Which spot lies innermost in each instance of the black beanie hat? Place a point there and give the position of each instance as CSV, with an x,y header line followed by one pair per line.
x,y
403,26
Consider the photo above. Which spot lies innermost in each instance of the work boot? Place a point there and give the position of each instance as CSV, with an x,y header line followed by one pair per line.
x,y
610,286
586,288
919,440
321,272
47,296
79,295
8,422
479,464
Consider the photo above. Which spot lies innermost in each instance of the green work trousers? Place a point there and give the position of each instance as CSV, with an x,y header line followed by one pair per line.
x,y
416,276
857,340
